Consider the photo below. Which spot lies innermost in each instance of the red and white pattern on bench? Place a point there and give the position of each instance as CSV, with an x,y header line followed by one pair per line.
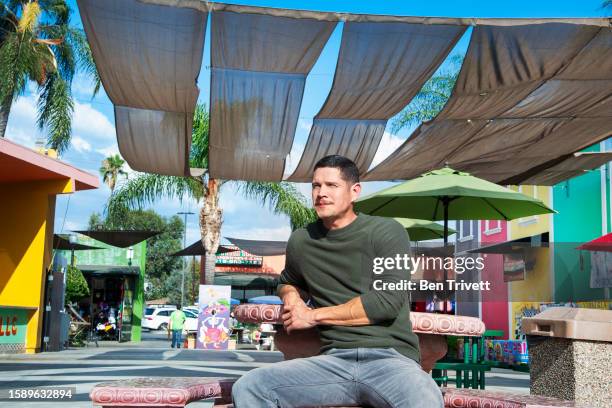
x,y
421,322
150,391
468,398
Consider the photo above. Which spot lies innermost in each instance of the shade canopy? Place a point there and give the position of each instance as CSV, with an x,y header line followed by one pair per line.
x,y
119,238
60,242
197,249
516,246
242,280
109,270
469,198
423,230
603,244
259,247
266,300
530,91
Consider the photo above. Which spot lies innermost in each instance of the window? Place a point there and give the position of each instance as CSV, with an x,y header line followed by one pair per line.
x,y
149,311
465,231
164,313
492,227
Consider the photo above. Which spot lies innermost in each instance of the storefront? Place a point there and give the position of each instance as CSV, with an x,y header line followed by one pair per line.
x,y
29,183
111,300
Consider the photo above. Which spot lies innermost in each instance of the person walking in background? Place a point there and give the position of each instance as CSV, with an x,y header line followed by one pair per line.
x,y
177,321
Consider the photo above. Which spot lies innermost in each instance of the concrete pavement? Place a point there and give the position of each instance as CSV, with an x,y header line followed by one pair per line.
x,y
84,367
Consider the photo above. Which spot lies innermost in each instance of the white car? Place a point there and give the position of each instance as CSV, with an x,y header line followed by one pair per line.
x,y
159,319
191,324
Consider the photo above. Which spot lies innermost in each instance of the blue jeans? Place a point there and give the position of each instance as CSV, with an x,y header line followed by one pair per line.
x,y
177,338
380,378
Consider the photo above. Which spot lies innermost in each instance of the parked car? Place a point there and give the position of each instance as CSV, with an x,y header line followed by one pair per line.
x,y
157,318
191,324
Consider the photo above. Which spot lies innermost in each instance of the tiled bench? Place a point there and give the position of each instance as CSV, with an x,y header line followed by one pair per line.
x,y
431,329
178,392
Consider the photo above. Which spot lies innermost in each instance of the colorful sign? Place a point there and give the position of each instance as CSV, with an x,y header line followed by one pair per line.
x,y
507,351
13,325
213,317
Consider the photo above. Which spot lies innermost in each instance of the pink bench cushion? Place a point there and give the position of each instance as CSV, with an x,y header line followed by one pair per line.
x,y
169,392
469,398
428,323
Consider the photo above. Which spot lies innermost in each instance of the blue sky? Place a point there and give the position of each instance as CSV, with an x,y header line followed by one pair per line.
x,y
94,132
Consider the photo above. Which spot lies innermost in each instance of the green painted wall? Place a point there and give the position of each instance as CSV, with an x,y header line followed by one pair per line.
x,y
118,257
579,219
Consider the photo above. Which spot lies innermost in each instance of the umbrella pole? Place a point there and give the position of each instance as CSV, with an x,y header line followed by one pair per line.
x,y
445,202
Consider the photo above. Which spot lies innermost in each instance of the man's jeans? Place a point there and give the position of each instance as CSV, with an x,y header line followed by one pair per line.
x,y
177,338
340,377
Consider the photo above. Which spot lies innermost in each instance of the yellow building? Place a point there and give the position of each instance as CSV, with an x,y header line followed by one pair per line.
x,y
536,287
29,183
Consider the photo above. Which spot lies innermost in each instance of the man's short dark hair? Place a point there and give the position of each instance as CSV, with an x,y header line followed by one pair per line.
x,y
179,307
347,167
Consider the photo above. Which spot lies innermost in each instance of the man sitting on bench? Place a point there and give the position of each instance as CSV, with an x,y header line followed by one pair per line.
x,y
370,356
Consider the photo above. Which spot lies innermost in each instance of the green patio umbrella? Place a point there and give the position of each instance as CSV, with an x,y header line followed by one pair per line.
x,y
422,230
446,194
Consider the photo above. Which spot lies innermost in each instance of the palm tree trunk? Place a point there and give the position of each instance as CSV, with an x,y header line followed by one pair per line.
x,y
210,230
5,110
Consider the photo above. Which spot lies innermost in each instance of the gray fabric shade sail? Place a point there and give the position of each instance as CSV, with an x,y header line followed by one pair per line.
x,y
575,165
60,242
197,249
148,58
381,66
119,238
260,248
530,91
525,96
259,68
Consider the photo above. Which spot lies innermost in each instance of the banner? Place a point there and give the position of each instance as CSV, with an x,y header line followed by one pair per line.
x,y
213,317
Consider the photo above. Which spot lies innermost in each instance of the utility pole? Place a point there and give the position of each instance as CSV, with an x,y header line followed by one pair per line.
x,y
184,213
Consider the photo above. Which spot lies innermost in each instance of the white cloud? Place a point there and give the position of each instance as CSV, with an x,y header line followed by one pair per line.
x,y
22,126
388,144
108,150
91,122
80,145
305,125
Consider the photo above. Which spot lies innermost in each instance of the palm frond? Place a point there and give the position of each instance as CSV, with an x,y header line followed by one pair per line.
x,y
55,107
198,156
431,98
281,198
147,188
77,41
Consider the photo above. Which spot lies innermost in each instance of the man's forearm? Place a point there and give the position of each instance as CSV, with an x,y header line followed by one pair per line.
x,y
350,313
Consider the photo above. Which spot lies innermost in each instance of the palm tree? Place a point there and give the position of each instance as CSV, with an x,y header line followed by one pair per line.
x,y
38,44
283,198
431,98
112,168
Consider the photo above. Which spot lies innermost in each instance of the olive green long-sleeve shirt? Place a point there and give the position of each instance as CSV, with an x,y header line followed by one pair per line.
x,y
335,266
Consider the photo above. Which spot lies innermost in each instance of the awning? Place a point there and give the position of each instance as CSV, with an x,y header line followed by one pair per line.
x,y
197,249
62,243
109,270
516,246
529,92
260,248
603,243
246,280
119,238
